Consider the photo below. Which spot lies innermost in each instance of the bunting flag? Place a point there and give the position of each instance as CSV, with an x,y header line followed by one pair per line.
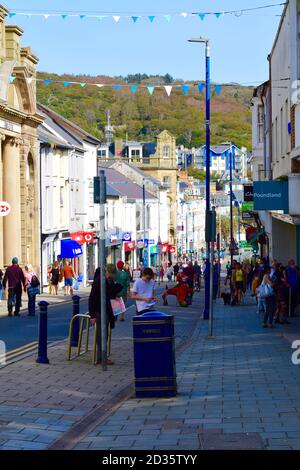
x,y
201,87
185,87
85,15
218,89
150,89
168,89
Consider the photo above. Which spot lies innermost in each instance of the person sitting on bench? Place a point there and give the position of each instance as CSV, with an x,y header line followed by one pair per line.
x,y
182,291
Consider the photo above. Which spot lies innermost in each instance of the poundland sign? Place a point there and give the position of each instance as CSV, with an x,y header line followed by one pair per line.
x,y
271,195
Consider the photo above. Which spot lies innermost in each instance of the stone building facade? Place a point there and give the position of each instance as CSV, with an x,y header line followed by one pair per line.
x,y
19,151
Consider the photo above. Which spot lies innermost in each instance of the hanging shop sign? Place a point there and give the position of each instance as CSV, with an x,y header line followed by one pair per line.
x,y
4,208
129,246
126,237
248,193
271,195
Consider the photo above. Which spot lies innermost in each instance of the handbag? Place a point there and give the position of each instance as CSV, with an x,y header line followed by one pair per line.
x,y
264,291
118,306
33,291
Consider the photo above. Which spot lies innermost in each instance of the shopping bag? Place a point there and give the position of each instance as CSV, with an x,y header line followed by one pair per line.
x,y
118,306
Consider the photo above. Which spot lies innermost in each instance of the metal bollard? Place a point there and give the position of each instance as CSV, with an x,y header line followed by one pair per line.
x,y
75,329
43,333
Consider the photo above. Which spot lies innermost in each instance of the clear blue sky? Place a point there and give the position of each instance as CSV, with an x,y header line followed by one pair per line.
x,y
239,45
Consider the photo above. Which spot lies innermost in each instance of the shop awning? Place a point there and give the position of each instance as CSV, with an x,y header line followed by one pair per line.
x,y
50,238
70,249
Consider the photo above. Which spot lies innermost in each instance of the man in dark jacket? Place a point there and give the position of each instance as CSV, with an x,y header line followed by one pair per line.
x,y
15,279
112,289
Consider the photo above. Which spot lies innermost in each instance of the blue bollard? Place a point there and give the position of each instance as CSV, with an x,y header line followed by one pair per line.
x,y
43,333
75,330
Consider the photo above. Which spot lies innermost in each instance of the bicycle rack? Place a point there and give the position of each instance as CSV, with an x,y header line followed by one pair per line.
x,y
86,318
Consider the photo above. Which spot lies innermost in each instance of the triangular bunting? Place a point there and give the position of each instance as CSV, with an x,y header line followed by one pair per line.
x,y
29,80
47,82
134,88
185,89
66,83
82,17
217,15
46,16
168,18
100,18
64,16
150,89
168,89
11,14
99,85
201,87
218,89
151,18
184,15
201,16
82,84
135,18
117,18
117,87
12,79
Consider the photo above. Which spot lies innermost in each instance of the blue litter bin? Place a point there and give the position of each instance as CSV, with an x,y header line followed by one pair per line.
x,y
154,355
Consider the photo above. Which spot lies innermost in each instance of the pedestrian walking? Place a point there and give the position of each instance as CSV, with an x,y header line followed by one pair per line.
x,y
170,272
32,286
112,291
123,279
197,276
68,274
266,292
238,282
143,292
15,280
54,279
293,280
161,274
281,312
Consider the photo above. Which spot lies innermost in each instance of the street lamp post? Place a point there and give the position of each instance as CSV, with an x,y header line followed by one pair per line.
x,y
231,210
207,178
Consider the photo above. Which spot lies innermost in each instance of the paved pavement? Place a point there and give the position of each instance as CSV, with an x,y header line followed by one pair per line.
x,y
239,390
41,405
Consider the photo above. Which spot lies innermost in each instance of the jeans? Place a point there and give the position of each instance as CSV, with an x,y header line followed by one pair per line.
x,y
270,310
31,304
1,290
12,292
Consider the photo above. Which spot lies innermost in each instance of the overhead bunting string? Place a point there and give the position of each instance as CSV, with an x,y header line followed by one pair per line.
x,y
135,17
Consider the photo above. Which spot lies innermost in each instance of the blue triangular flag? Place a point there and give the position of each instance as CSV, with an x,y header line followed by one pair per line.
x,y
64,16
134,88
218,15
12,79
135,18
47,82
218,89
66,83
201,87
151,18
11,14
82,17
185,89
168,18
201,16
117,87
150,89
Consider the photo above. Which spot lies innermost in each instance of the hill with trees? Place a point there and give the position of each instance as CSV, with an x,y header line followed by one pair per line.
x,y
142,116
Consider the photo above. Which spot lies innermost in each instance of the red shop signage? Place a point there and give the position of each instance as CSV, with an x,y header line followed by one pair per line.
x,y
129,246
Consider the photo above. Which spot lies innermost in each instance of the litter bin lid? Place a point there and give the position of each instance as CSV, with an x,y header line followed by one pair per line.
x,y
152,316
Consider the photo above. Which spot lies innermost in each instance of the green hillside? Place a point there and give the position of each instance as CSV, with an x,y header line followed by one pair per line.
x,y
143,116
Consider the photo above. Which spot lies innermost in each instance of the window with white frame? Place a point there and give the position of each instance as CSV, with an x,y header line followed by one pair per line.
x,y
166,151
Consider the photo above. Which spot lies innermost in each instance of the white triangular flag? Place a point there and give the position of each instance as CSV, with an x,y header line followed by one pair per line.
x,y
46,17
184,15
117,18
29,80
99,86
168,89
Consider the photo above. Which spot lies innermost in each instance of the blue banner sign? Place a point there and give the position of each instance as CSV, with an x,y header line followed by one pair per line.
x,y
271,195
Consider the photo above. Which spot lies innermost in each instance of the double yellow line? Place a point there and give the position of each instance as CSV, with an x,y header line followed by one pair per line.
x,y
14,353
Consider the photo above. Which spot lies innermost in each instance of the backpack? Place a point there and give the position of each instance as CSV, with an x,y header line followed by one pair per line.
x,y
34,281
